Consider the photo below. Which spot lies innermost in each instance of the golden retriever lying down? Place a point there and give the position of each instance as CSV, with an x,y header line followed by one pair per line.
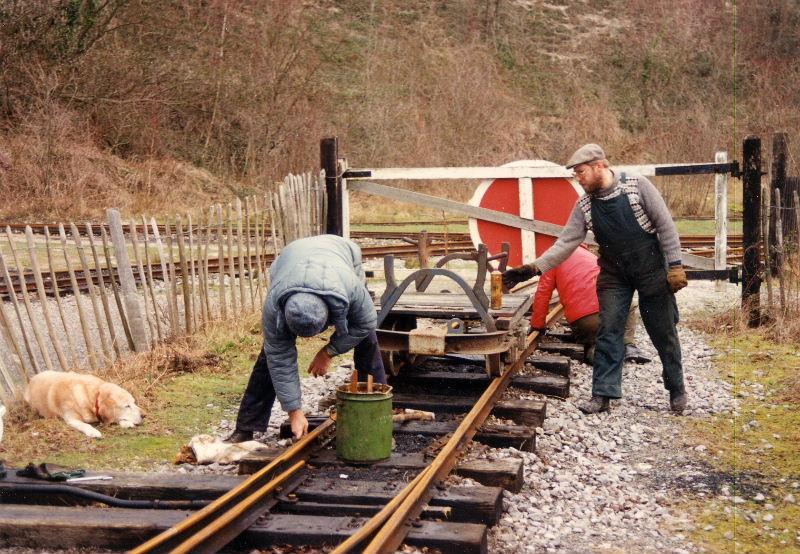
x,y
80,399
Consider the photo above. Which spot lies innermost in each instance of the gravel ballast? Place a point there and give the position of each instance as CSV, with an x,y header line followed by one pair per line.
x,y
610,482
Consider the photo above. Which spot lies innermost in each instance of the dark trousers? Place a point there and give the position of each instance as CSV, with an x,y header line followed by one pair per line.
x,y
259,396
659,314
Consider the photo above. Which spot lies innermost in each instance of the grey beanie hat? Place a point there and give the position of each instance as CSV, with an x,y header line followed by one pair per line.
x,y
586,154
306,314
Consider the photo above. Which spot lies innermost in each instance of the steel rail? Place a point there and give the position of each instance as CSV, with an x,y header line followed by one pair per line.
x,y
238,499
214,265
395,518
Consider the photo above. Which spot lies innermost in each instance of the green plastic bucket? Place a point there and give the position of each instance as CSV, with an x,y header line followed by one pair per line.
x,y
364,423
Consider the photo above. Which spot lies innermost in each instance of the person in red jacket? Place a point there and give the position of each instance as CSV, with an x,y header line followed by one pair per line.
x,y
575,279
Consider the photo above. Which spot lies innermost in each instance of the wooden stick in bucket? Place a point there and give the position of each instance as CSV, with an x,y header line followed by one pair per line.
x,y
369,383
354,381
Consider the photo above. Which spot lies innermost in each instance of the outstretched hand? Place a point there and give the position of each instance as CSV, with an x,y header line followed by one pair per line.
x,y
320,364
516,275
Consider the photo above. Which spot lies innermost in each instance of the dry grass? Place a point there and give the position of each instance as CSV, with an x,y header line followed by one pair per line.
x,y
163,106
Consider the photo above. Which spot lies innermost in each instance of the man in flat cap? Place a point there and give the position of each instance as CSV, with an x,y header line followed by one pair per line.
x,y
315,282
639,251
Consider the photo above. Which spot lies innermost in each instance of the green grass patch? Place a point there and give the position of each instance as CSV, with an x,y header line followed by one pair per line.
x,y
758,447
705,227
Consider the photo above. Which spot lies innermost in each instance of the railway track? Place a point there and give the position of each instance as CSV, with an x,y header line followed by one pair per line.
x,y
441,243
305,498
215,266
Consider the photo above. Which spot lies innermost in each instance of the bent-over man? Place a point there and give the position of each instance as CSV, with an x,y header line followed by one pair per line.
x,y
315,282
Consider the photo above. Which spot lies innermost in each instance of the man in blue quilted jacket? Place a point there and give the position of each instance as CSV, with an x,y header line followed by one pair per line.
x,y
315,283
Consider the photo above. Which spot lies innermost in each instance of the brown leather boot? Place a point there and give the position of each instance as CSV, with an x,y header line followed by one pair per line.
x,y
596,405
677,401
240,436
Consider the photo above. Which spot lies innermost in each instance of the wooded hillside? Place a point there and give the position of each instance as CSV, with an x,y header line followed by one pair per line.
x,y
149,105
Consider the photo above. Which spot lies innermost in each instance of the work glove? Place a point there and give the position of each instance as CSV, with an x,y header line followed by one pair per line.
x,y
676,277
519,274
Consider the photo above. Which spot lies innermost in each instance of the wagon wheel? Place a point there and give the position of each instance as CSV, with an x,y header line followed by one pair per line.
x,y
393,362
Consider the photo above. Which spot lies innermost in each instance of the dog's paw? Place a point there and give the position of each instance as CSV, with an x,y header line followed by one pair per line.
x,y
126,424
94,433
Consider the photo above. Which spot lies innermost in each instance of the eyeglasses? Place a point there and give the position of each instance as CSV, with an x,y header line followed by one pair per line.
x,y
583,170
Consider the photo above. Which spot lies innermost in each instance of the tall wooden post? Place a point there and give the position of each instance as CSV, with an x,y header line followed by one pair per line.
x,y
328,158
130,295
777,181
721,215
751,206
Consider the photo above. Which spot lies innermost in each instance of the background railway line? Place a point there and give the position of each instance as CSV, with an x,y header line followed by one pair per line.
x,y
440,243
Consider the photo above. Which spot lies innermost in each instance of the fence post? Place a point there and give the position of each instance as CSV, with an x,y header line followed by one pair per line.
x,y
328,159
777,181
751,206
721,214
128,285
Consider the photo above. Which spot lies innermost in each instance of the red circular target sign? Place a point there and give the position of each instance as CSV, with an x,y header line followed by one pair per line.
x,y
548,199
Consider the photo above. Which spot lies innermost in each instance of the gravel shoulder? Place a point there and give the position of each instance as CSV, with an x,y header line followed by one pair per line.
x,y
614,482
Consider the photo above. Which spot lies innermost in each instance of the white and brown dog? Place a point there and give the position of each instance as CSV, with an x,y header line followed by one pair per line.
x,y
80,399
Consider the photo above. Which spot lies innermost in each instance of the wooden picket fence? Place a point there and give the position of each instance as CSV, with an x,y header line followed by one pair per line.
x,y
83,296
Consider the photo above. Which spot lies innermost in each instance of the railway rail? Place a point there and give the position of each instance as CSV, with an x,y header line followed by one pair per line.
x,y
304,496
440,243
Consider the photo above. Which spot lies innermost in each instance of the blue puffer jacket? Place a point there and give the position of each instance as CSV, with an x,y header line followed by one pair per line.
x,y
330,267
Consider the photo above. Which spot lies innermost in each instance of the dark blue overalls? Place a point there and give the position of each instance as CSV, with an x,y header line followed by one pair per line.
x,y
631,260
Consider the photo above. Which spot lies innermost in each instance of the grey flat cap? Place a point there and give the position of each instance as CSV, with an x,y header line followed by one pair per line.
x,y
585,154
306,314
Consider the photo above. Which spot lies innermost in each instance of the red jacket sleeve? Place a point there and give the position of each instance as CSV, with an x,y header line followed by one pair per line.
x,y
541,300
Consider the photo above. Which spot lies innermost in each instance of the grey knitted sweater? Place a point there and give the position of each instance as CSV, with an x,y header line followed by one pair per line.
x,y
657,219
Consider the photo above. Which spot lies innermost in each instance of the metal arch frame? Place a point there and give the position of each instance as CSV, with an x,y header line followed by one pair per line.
x,y
393,293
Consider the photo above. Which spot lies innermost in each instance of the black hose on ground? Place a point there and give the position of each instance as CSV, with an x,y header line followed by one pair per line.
x,y
102,498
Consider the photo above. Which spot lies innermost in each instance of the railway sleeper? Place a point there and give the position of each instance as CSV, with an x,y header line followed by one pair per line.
x,y
449,382
504,472
121,528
